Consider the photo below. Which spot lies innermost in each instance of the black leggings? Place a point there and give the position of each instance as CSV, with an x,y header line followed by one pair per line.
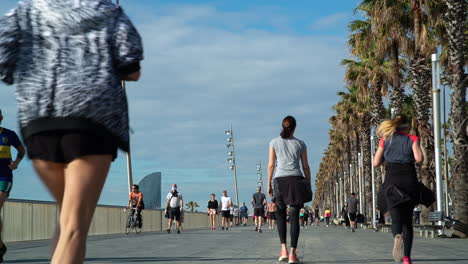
x,y
293,221
402,217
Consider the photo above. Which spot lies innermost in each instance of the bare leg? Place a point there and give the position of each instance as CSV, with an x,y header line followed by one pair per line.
x,y
52,175
84,179
3,198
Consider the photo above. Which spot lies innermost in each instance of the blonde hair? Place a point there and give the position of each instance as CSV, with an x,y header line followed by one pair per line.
x,y
388,127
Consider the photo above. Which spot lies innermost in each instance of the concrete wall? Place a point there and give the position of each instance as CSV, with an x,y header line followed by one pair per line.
x,y
33,220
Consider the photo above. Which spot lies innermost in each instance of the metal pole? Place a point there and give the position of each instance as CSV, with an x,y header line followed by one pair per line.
x,y
436,124
351,178
235,168
361,200
373,183
446,171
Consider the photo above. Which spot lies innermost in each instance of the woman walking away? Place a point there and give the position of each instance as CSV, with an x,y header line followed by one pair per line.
x,y
285,172
67,59
213,211
398,194
327,216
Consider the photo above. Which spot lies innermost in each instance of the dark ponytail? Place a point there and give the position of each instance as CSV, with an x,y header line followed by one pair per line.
x,y
289,125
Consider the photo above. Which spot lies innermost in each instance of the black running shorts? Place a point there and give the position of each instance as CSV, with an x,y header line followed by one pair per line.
x,y
352,216
63,146
259,212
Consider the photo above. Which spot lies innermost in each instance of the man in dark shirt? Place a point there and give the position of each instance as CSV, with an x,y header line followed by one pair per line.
x,y
353,205
258,203
244,211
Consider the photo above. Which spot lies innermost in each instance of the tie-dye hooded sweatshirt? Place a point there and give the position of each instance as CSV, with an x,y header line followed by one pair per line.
x,y
67,58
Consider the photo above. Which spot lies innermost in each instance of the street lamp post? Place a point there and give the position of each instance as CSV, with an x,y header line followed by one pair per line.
x,y
129,156
232,160
373,184
361,200
436,122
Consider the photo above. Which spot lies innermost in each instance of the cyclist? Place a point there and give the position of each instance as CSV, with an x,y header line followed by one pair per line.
x,y
135,202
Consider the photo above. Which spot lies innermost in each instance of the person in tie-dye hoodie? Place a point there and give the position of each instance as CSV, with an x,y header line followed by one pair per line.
x,y
67,59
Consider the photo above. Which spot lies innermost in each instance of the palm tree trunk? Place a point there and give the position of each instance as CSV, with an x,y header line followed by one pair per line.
x,y
377,116
397,95
365,133
421,83
456,21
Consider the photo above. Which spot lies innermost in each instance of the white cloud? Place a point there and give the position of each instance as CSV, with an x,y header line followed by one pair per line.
x,y
331,21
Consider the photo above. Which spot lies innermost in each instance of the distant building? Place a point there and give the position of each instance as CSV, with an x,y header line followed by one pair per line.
x,y
150,185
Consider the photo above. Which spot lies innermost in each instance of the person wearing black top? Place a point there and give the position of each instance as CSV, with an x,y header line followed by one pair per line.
x,y
212,211
400,151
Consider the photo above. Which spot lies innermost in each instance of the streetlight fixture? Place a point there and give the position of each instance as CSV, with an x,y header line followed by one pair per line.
x,y
232,160
260,174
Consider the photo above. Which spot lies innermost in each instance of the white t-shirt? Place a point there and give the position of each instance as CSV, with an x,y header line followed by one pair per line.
x,y
225,203
175,201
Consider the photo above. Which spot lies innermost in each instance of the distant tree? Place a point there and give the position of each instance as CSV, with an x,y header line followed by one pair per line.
x,y
192,205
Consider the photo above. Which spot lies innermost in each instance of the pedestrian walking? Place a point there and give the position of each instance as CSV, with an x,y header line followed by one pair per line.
x,y
345,216
399,150
258,203
301,217
226,204
244,214
327,216
306,217
271,208
352,205
291,186
317,215
8,139
174,208
67,60
213,211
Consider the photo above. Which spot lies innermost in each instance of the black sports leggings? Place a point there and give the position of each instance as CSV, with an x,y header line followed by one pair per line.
x,y
402,217
293,221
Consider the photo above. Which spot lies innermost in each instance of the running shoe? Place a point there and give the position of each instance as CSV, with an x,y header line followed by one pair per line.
x,y
283,255
398,248
260,231
256,228
222,228
227,228
168,230
406,260
178,231
293,258
352,230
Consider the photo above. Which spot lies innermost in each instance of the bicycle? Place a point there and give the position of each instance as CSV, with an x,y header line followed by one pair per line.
x,y
134,221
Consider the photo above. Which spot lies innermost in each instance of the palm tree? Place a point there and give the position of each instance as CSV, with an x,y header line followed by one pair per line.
x,y
192,205
456,24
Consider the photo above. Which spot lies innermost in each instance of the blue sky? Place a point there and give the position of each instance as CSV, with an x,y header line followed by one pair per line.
x,y
210,64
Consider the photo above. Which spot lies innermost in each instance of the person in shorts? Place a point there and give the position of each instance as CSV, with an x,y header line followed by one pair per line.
x,y
271,208
135,202
353,205
244,214
258,203
174,208
226,204
8,139
68,60
213,211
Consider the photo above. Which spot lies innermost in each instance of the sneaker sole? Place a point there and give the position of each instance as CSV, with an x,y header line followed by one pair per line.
x,y
397,252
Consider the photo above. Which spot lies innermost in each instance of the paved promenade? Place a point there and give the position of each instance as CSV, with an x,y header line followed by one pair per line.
x,y
242,245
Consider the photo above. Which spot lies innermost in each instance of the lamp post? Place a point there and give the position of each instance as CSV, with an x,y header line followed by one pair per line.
x,y
436,122
361,200
373,184
260,174
129,155
232,160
